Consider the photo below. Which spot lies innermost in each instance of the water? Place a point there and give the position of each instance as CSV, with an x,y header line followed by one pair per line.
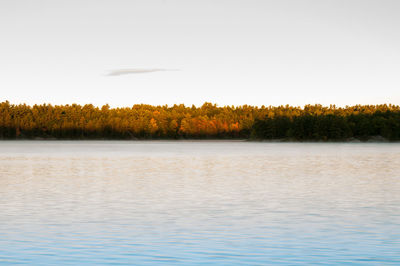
x,y
188,203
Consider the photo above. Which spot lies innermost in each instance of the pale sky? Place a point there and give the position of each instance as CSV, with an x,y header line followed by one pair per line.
x,y
125,52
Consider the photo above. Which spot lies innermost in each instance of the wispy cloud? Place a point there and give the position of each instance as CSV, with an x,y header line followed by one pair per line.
x,y
128,71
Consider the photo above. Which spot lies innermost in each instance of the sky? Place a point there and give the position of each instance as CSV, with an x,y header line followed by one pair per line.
x,y
228,52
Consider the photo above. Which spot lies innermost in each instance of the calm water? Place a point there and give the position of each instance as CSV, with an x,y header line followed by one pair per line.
x,y
199,202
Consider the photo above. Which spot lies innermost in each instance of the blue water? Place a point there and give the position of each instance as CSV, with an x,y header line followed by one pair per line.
x,y
195,203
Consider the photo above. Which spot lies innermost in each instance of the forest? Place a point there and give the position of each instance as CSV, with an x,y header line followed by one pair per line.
x,y
209,121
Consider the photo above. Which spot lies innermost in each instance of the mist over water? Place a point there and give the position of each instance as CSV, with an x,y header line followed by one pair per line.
x,y
188,202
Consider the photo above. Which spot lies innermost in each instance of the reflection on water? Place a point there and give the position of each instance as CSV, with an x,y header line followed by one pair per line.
x,y
198,202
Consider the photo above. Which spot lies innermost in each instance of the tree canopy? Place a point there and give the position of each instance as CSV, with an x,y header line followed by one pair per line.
x,y
141,121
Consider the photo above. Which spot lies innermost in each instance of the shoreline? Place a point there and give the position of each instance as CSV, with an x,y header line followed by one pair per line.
x,y
352,141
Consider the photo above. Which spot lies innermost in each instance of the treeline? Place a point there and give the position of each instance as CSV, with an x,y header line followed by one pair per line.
x,y
136,122
313,122
316,123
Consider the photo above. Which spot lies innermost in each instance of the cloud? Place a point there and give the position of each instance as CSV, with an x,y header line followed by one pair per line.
x,y
127,71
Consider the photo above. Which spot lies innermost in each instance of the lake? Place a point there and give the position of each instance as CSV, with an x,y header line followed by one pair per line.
x,y
199,202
